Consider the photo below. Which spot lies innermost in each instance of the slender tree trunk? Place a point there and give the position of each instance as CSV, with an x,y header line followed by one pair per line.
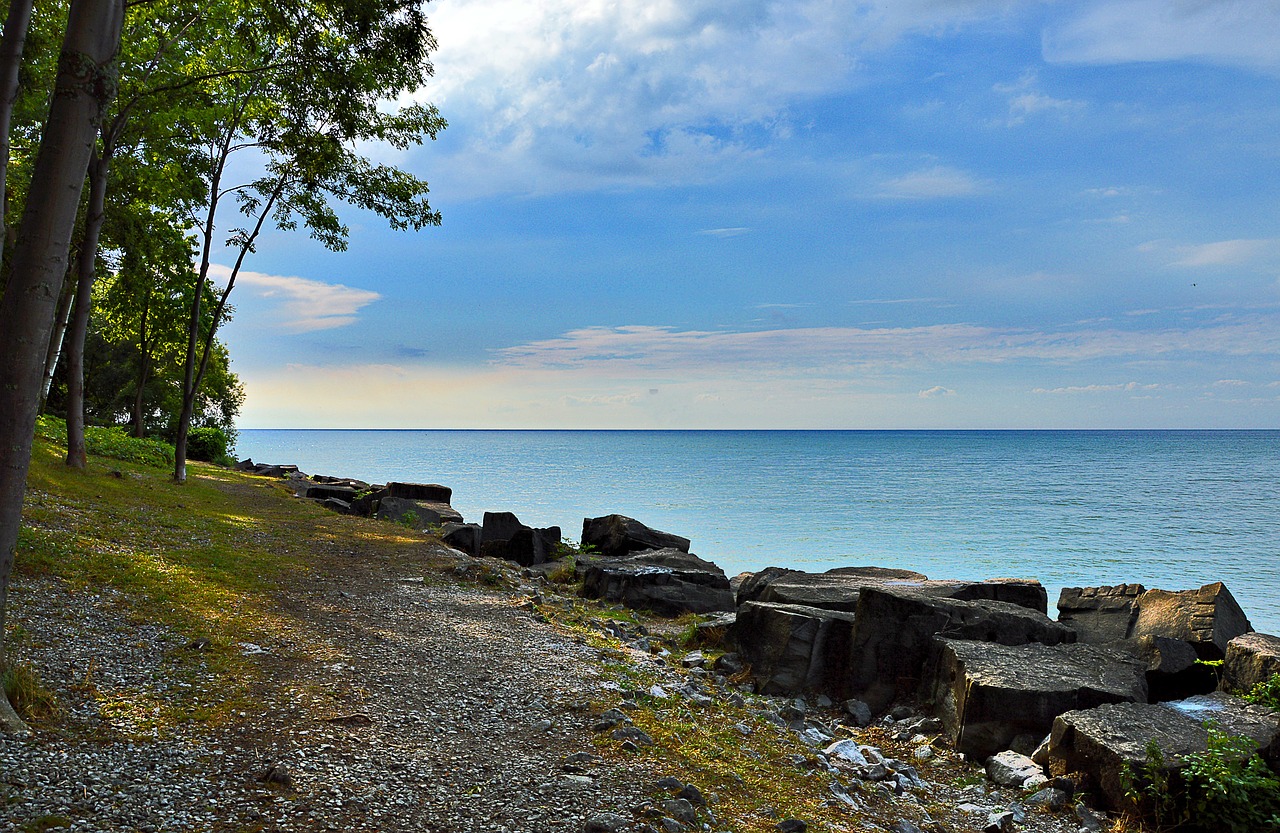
x,y
12,43
77,453
55,342
144,371
85,84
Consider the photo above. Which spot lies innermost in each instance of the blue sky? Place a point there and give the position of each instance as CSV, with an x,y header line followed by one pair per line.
x,y
810,214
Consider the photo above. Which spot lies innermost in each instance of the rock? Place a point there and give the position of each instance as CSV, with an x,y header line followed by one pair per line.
x,y
1100,614
669,582
1173,672
793,648
1050,798
1090,822
680,809
893,637
462,537
427,492
986,694
714,631
633,734
605,823
848,751
617,535
838,589
419,514
1208,618
366,503
504,537
1099,742
693,795
999,823
747,587
904,826
246,464
277,775
1252,658
334,504
320,491
859,711
1009,769
791,826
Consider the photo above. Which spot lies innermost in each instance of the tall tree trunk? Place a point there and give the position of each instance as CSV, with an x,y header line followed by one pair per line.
x,y
77,453
85,84
12,43
144,371
55,341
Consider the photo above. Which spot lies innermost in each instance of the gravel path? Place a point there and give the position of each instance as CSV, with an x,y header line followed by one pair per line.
x,y
441,708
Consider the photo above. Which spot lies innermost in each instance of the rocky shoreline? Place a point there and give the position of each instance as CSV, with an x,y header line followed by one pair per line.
x,y
999,680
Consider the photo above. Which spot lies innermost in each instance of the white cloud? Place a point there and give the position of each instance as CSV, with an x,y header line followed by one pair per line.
x,y
935,391
1222,253
938,182
1127,387
838,350
305,305
1230,383
1239,32
1026,99
736,231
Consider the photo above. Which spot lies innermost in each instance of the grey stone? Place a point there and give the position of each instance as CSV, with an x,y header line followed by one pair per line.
x,y
320,491
1173,669
859,711
1209,618
419,513
428,492
616,535
1100,614
893,637
792,648
791,826
632,734
1009,769
681,809
999,823
462,537
1252,658
1050,798
987,694
338,505
1099,742
668,582
605,823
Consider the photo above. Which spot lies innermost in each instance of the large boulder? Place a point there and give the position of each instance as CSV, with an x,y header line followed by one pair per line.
x,y
1207,618
504,537
615,535
1174,670
838,589
894,631
462,537
1100,614
669,582
1251,659
418,513
794,649
430,492
986,694
322,491
366,502
1100,742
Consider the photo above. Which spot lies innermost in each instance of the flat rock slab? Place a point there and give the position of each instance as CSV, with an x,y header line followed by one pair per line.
x,y
793,648
669,582
839,589
1252,658
986,694
420,513
617,535
894,631
1099,742
430,492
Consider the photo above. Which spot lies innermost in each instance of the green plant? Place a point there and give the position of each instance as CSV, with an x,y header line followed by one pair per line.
x,y
565,571
208,443
1265,693
1227,788
27,693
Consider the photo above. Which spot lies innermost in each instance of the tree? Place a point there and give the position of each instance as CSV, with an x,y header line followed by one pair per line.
x,y
86,82
328,71
12,43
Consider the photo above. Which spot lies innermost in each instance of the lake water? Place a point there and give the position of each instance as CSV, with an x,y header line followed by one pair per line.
x,y
1168,509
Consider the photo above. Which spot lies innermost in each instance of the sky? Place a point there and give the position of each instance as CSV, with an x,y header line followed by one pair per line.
x,y
806,214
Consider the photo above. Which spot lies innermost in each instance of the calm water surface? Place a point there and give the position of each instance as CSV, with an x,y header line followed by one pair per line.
x,y
1168,509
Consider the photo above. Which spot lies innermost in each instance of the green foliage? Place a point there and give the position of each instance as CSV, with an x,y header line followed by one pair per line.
x,y
110,442
1227,788
209,444
1265,693
27,694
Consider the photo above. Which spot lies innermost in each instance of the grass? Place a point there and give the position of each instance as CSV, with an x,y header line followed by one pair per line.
x,y
206,559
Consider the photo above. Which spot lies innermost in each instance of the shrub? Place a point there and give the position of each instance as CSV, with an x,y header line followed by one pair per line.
x,y
1227,788
209,444
1265,693
27,694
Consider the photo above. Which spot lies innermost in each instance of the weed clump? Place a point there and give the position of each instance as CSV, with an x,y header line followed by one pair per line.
x,y
27,694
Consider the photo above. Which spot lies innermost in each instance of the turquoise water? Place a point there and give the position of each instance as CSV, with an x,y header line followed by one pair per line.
x,y
1168,509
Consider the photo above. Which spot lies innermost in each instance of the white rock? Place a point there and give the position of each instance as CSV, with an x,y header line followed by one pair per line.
x,y
1010,769
846,750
